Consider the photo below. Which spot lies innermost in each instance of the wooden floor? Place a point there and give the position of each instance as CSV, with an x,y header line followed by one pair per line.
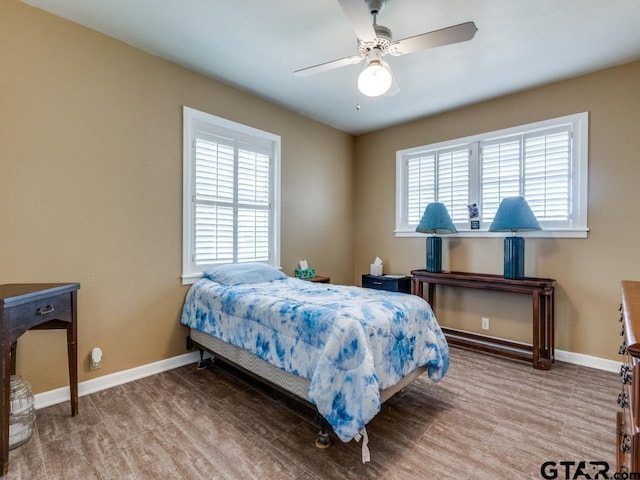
x,y
490,418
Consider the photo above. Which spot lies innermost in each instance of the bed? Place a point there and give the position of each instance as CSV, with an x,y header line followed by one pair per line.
x,y
343,349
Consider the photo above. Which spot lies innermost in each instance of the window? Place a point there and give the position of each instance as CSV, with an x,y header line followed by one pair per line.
x,y
231,194
546,162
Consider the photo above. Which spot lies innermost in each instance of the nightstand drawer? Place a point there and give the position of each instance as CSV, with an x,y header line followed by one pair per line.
x,y
391,284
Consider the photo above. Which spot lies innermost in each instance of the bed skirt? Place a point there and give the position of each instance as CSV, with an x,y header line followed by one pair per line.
x,y
287,381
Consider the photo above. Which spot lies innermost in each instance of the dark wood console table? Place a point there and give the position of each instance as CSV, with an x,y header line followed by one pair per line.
x,y
540,353
27,306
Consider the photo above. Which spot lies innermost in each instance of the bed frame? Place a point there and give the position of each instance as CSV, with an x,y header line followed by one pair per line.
x,y
288,383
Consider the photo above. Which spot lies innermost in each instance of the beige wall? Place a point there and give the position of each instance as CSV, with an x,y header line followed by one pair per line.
x,y
91,187
588,271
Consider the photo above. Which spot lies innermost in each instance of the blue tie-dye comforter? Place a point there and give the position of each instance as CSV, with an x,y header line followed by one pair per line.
x,y
350,342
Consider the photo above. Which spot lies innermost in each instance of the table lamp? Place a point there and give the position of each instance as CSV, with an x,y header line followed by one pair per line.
x,y
435,219
514,215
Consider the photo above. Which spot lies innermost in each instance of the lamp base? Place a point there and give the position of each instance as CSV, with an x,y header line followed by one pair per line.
x,y
434,254
513,257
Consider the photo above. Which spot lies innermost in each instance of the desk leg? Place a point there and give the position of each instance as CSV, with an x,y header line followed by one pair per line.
x,y
72,354
5,397
14,355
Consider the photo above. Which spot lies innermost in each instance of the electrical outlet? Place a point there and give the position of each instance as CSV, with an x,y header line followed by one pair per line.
x,y
485,323
95,359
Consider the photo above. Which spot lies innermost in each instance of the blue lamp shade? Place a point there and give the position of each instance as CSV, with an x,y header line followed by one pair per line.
x,y
514,215
435,219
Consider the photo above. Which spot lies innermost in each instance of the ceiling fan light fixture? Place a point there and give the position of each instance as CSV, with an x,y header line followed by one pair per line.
x,y
376,78
375,41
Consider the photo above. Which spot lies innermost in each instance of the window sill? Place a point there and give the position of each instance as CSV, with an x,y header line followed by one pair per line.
x,y
190,278
468,233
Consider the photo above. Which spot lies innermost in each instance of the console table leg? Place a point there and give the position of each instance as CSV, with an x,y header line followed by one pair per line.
x,y
417,287
551,317
536,330
542,332
546,313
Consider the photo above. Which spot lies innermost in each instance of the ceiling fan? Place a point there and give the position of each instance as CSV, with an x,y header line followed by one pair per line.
x,y
375,41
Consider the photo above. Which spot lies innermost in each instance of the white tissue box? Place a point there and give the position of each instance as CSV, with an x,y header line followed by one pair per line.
x,y
375,269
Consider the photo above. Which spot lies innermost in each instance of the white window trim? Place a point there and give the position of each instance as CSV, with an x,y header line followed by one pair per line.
x,y
191,118
580,229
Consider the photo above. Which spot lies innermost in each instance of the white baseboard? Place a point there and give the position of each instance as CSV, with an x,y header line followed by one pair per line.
x,y
59,395
588,361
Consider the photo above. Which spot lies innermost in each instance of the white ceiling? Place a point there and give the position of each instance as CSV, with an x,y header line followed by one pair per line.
x,y
255,45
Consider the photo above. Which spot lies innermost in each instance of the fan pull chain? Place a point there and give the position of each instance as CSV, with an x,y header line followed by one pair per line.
x,y
364,60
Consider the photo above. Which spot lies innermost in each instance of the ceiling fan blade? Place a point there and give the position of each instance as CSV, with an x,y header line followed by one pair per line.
x,y
323,67
437,38
360,19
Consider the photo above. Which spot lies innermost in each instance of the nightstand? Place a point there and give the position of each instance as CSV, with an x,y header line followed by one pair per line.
x,y
393,283
319,279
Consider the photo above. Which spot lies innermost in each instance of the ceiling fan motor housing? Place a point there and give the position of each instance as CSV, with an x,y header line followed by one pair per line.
x,y
382,41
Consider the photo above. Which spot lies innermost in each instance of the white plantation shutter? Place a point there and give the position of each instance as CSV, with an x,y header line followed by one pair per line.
x,y
500,163
535,165
546,162
253,205
231,201
421,185
214,193
547,174
230,191
438,176
453,182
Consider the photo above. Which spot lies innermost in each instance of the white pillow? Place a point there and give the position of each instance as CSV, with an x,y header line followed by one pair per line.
x,y
239,273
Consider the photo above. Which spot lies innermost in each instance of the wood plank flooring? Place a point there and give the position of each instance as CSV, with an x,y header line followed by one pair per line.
x,y
490,418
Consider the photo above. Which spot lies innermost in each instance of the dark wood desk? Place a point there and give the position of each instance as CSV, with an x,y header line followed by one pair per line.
x,y
27,306
540,353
